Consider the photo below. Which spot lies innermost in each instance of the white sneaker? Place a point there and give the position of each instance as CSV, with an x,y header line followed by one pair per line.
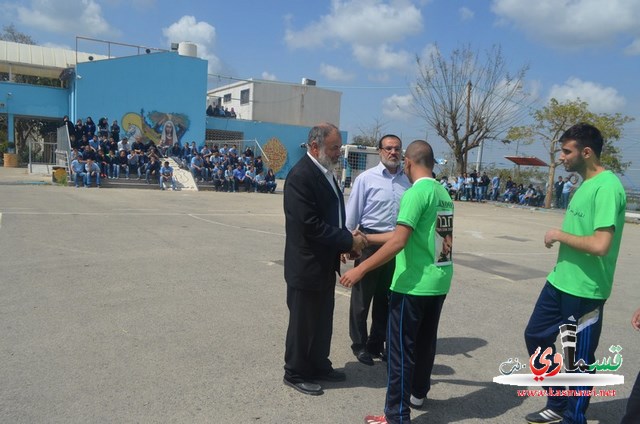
x,y
415,402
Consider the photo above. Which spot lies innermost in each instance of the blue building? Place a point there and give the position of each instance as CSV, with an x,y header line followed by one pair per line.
x,y
155,95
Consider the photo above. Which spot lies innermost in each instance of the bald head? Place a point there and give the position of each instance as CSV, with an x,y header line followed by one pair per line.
x,y
421,153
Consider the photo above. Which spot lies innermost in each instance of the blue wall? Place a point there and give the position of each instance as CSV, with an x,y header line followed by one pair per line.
x,y
33,100
159,87
271,137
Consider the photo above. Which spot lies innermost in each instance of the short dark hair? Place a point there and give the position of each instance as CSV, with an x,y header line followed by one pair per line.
x,y
388,136
585,135
421,153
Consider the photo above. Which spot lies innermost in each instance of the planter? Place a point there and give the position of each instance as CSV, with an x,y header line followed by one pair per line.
x,y
10,160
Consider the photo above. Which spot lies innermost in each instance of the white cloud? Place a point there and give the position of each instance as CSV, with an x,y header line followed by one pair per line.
x,y
572,23
200,33
66,17
382,57
600,99
334,73
633,48
365,22
397,106
269,76
466,14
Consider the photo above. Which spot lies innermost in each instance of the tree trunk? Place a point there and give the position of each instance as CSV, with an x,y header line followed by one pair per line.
x,y
550,180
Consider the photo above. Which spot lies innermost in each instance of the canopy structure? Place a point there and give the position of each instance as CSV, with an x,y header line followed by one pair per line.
x,y
526,160
49,62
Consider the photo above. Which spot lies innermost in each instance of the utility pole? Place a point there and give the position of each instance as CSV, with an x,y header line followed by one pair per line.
x,y
466,140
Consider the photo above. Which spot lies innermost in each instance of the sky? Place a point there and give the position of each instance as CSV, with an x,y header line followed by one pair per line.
x,y
367,49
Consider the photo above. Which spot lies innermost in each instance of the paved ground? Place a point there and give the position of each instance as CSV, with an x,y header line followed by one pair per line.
x,y
148,306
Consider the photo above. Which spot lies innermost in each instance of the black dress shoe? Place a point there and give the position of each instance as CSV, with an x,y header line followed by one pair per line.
x,y
364,357
305,387
332,375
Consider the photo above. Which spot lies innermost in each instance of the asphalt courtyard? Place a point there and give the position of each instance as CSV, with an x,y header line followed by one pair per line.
x,y
136,306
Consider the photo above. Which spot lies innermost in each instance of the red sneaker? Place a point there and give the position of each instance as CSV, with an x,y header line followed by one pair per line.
x,y
375,419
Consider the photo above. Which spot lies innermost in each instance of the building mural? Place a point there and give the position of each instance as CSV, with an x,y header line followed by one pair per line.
x,y
161,128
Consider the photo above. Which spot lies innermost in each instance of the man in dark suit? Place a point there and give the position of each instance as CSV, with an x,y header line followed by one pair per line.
x,y
315,237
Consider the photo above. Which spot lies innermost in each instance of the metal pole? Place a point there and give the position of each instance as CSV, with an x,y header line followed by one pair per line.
x,y
466,141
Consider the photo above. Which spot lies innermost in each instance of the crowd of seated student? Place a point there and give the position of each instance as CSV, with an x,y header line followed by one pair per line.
x,y
221,112
224,167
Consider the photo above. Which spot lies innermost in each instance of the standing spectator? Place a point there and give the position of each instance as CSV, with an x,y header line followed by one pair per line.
x,y
315,238
115,130
258,164
469,182
422,241
69,125
481,189
495,187
91,170
557,188
373,208
89,127
103,127
78,130
581,281
166,175
567,189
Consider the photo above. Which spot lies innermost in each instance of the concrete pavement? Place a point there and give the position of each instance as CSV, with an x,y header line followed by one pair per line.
x,y
147,306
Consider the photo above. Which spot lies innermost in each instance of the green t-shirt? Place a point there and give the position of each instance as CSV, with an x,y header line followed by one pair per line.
x,y
424,267
600,202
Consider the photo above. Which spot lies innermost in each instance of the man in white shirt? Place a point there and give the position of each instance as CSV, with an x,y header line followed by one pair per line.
x,y
373,208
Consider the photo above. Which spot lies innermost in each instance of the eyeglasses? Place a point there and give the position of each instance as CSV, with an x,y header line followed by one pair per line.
x,y
392,149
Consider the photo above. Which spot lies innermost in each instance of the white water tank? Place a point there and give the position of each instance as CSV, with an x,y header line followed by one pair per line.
x,y
186,48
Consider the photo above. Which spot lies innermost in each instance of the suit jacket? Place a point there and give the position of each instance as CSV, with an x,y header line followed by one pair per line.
x,y
314,239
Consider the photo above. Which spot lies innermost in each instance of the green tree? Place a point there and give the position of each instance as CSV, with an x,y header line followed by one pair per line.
x,y
468,99
555,118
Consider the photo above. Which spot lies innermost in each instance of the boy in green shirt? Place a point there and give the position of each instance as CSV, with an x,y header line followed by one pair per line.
x,y
581,281
422,242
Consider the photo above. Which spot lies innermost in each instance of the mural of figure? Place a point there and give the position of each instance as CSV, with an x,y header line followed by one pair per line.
x,y
169,135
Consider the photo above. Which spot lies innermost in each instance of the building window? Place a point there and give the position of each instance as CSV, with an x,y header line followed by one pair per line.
x,y
227,98
244,97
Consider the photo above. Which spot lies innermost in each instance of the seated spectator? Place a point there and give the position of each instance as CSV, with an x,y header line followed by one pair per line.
x,y
120,163
104,161
91,170
261,183
133,160
78,170
103,127
258,164
152,169
94,142
176,151
230,183
239,175
525,198
270,178
232,113
137,147
250,179
124,145
197,168
166,175
218,179
89,153
210,111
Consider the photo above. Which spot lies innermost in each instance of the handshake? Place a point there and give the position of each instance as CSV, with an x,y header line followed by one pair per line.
x,y
359,243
